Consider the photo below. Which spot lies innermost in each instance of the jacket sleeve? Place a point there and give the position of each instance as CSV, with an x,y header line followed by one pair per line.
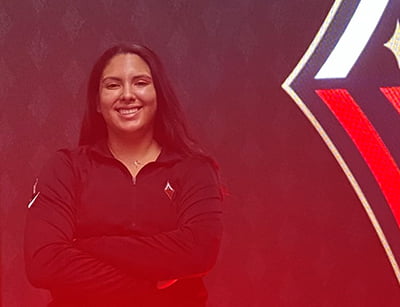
x,y
52,260
189,250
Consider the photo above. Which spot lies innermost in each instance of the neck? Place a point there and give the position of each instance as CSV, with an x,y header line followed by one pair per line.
x,y
131,148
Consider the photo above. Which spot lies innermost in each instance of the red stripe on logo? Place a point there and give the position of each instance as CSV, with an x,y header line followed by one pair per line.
x,y
368,142
393,95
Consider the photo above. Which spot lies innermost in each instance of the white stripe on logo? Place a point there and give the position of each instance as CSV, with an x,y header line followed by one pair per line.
x,y
354,39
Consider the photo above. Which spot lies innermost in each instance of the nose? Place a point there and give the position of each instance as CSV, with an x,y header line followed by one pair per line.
x,y
128,93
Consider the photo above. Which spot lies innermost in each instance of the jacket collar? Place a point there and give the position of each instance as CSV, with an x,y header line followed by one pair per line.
x,y
100,148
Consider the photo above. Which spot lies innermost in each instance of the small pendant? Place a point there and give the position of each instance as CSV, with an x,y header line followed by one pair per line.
x,y
137,163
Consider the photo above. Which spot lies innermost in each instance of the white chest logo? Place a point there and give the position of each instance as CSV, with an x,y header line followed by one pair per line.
x,y
169,190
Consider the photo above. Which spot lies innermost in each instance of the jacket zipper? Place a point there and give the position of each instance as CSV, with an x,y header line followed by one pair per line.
x,y
133,178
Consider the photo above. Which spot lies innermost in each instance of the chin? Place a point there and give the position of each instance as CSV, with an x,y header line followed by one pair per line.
x,y
133,130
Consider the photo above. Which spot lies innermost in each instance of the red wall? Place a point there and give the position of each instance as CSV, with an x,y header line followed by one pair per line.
x,y
295,232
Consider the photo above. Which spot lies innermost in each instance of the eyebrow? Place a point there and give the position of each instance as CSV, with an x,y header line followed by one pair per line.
x,y
142,76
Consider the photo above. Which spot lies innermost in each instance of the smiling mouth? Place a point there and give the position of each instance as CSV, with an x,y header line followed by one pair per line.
x,y
128,111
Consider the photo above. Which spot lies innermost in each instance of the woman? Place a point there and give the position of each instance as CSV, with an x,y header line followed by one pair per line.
x,y
132,216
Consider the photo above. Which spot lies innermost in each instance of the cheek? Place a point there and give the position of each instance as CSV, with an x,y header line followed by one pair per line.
x,y
104,109
153,105
105,101
147,94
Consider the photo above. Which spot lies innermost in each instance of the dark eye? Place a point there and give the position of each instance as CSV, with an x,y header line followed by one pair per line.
x,y
112,86
141,83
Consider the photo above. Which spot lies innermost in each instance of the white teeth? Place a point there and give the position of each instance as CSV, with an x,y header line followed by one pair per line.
x,y
128,111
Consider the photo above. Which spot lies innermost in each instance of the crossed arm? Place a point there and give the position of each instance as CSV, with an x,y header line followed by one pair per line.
x,y
56,260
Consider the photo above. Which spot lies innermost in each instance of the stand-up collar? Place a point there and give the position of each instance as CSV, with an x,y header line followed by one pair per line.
x,y
166,156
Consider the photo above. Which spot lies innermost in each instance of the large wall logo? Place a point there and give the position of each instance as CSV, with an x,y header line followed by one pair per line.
x,y
348,86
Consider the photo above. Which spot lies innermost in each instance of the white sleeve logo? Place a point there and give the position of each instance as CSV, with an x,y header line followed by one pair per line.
x,y
35,194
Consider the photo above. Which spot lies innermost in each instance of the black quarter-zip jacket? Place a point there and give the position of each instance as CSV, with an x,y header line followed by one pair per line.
x,y
95,236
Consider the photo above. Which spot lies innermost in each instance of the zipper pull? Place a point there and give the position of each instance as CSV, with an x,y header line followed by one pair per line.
x,y
134,180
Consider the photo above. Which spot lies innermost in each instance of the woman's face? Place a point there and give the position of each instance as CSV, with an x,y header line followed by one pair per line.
x,y
127,97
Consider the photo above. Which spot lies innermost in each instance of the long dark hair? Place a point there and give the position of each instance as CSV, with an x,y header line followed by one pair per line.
x,y
170,128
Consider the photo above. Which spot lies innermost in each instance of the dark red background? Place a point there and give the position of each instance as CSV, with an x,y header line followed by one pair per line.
x,y
295,233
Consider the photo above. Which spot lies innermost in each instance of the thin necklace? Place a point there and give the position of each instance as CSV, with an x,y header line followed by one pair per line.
x,y
136,163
